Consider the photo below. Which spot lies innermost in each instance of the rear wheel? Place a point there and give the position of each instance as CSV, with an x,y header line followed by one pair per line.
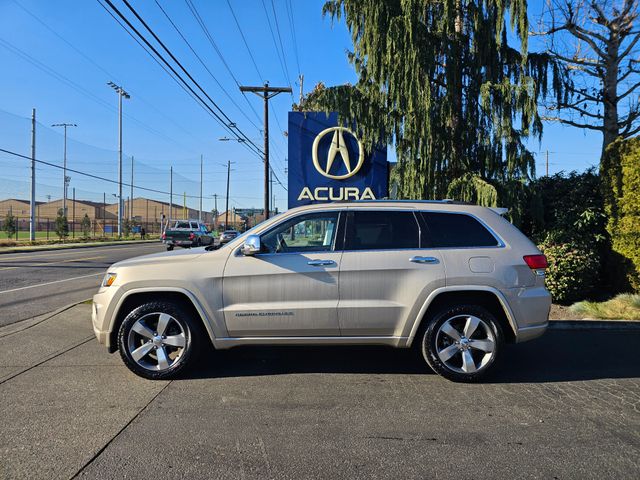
x,y
462,342
158,340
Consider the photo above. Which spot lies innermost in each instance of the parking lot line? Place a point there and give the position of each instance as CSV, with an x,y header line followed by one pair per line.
x,y
50,283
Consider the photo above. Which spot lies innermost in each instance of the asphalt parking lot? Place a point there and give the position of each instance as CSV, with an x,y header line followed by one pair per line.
x,y
564,406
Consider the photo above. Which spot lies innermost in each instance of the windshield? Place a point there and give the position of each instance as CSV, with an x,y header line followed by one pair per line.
x,y
240,238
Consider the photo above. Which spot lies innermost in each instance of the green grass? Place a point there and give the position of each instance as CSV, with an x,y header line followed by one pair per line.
x,y
623,307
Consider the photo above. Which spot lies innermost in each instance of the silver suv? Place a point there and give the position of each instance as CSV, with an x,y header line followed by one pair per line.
x,y
455,281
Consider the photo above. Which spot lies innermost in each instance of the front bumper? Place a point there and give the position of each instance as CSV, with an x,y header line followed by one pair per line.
x,y
100,320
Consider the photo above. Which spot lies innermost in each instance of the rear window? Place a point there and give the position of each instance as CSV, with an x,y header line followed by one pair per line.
x,y
450,230
182,225
382,230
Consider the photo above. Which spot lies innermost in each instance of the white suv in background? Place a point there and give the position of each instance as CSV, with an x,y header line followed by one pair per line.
x,y
456,281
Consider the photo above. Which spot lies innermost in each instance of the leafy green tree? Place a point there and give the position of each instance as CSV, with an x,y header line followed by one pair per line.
x,y
61,225
441,82
10,224
85,225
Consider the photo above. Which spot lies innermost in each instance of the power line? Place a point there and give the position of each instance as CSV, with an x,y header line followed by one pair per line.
x,y
205,65
292,26
90,175
228,125
109,74
203,26
246,44
284,56
275,43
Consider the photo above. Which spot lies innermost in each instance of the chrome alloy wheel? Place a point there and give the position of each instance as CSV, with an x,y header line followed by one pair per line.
x,y
465,343
156,341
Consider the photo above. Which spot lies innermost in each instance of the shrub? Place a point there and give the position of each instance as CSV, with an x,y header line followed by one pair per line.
x,y
573,270
86,226
621,189
62,225
10,225
623,307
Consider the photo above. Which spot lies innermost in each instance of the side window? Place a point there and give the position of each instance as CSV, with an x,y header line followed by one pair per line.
x,y
382,230
450,230
313,232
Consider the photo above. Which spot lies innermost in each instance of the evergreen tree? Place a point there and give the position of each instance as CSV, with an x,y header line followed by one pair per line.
x,y
440,81
85,225
62,225
10,224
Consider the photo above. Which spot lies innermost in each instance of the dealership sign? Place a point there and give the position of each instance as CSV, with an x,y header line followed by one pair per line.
x,y
328,163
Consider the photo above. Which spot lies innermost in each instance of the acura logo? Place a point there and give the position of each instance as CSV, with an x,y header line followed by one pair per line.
x,y
338,146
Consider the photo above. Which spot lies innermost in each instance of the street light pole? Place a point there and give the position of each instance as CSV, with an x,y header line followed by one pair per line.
x,y
266,93
226,213
64,167
121,93
200,211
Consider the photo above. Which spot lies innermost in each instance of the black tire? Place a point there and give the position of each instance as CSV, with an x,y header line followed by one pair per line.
x,y
434,340
182,324
169,248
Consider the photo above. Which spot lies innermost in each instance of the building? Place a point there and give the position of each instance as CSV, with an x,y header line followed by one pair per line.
x,y
18,208
147,210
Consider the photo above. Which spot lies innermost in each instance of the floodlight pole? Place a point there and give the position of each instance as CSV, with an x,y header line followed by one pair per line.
x,y
121,93
266,93
65,179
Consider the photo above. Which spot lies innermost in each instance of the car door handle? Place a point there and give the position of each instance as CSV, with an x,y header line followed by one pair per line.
x,y
431,260
320,263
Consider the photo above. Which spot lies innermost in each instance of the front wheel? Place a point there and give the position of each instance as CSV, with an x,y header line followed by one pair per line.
x,y
462,342
159,339
169,248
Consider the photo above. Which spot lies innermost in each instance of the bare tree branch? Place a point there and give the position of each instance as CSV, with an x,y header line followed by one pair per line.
x,y
629,91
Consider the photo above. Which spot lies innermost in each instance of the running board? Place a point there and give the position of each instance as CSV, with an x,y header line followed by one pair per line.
x,y
229,342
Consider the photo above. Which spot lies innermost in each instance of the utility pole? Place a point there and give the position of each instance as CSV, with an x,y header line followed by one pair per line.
x,y
131,201
200,211
301,84
65,179
73,215
547,163
271,190
121,93
104,214
226,212
170,194
215,209
266,92
32,222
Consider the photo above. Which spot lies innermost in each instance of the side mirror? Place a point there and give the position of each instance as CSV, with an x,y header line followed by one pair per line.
x,y
251,245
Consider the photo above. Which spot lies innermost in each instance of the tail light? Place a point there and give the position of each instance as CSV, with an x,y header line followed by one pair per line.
x,y
192,236
536,262
164,236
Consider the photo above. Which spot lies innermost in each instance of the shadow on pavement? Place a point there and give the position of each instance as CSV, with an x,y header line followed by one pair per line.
x,y
557,356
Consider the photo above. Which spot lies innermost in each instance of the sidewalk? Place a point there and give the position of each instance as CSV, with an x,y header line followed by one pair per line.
x,y
62,246
63,397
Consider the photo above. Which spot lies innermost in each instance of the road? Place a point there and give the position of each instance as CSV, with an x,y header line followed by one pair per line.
x,y
564,406
34,283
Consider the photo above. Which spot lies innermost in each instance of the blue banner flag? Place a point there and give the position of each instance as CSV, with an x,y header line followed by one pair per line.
x,y
328,163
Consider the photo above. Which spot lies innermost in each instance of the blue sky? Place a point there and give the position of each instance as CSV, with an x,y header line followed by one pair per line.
x,y
83,48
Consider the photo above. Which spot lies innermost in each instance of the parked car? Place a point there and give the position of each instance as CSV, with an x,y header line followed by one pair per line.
x,y
187,233
228,235
454,281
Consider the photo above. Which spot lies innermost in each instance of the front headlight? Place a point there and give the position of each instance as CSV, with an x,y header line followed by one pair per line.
x,y
109,278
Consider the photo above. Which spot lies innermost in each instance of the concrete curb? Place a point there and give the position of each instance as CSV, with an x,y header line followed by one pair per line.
x,y
611,325
65,246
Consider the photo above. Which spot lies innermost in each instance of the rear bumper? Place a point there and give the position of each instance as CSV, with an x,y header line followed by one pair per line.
x,y
530,308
